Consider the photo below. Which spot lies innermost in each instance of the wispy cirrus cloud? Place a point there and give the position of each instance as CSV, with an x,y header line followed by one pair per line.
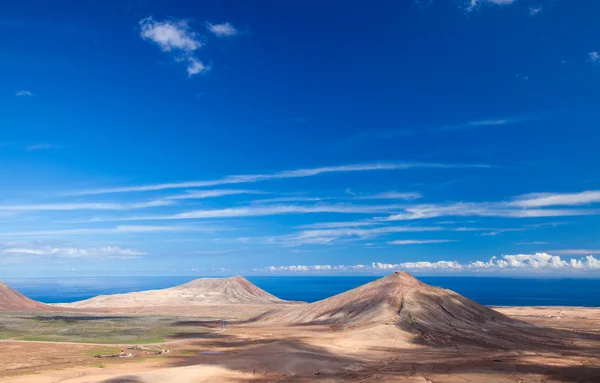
x,y
476,209
175,37
202,194
475,124
85,206
330,236
519,208
262,211
122,229
26,251
391,195
419,241
290,199
378,196
594,57
335,225
222,29
287,174
24,93
556,199
336,232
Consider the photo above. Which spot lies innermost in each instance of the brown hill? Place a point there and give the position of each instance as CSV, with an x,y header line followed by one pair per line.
x,y
203,291
422,312
12,300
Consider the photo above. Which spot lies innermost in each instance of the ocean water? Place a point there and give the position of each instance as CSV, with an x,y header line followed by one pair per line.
x,y
485,290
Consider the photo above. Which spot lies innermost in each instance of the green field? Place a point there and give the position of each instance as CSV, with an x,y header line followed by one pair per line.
x,y
105,329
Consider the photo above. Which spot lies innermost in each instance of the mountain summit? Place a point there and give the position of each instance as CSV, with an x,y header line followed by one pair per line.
x,y
202,291
430,314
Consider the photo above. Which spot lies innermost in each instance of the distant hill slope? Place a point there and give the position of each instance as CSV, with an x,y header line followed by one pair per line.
x,y
12,300
203,291
429,314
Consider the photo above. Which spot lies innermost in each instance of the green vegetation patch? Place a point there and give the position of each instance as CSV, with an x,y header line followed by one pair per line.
x,y
105,329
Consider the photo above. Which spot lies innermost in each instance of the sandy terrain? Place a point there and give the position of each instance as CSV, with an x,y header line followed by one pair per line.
x,y
315,353
393,330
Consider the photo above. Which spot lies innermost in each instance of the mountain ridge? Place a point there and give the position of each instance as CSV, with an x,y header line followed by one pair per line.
x,y
424,313
201,291
12,300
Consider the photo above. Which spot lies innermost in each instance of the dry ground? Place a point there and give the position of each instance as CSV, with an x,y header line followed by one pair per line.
x,y
103,328
269,353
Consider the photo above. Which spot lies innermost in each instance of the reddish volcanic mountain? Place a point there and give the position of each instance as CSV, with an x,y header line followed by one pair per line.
x,y
421,312
12,300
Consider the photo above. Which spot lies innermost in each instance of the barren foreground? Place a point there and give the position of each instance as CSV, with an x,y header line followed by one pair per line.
x,y
277,352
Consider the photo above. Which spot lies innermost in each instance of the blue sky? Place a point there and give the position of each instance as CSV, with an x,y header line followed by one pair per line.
x,y
170,138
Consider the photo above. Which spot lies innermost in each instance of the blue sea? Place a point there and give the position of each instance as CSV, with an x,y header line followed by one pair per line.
x,y
485,290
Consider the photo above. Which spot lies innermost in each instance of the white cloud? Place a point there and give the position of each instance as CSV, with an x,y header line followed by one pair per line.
x,y
170,35
335,232
374,267
299,173
419,241
335,225
24,251
290,199
222,30
261,211
473,4
535,10
489,231
556,199
419,265
196,66
22,93
482,209
536,261
491,234
85,206
151,229
175,37
392,195
329,236
520,262
384,195
202,194
122,229
595,57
